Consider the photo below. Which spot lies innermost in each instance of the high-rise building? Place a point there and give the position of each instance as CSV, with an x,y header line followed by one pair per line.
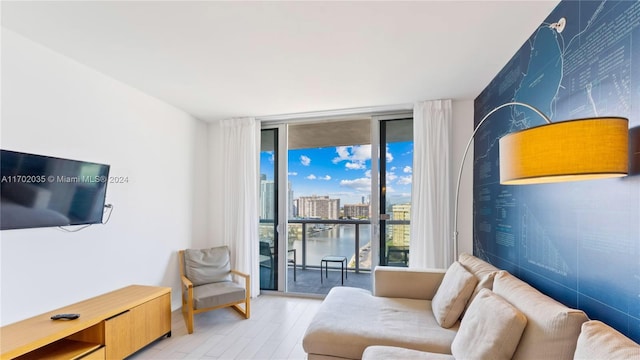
x,y
295,208
267,198
357,211
318,207
291,207
400,233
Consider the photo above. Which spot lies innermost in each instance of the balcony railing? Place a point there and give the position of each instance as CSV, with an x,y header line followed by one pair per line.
x,y
331,230
315,238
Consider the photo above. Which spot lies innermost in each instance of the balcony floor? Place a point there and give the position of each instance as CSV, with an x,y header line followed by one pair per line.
x,y
308,281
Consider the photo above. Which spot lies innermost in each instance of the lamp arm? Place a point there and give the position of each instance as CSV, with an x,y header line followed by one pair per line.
x,y
464,156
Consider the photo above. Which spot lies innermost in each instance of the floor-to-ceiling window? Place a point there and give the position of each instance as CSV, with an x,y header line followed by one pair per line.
x,y
331,167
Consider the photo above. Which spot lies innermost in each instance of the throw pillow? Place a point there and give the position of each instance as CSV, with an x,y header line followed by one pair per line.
x,y
599,341
206,266
486,282
491,329
481,270
548,321
452,295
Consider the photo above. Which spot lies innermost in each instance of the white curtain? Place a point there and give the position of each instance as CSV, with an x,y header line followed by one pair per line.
x,y
431,196
240,149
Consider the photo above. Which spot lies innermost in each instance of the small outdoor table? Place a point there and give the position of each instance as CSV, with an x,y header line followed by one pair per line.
x,y
333,258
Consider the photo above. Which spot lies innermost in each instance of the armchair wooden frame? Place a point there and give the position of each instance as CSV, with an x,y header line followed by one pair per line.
x,y
187,296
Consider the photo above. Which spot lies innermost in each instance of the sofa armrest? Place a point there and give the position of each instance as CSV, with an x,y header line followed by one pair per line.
x,y
407,283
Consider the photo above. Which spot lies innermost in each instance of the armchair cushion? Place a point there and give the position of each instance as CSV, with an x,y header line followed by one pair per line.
x,y
205,266
452,295
215,294
491,329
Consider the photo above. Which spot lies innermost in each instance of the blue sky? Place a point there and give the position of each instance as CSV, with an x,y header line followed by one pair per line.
x,y
345,172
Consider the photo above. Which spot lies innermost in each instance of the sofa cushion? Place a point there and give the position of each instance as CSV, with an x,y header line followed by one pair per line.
x,y
490,329
482,270
600,341
399,282
552,329
392,352
350,319
453,294
477,266
205,266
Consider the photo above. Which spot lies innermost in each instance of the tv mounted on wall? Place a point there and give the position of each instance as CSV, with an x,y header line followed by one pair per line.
x,y
43,191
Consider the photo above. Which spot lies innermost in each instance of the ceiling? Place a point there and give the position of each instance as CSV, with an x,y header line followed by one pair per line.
x,y
218,60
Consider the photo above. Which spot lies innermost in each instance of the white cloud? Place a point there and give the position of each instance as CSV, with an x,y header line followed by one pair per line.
x,y
361,153
355,166
389,156
355,156
292,173
393,168
313,177
407,170
361,184
391,176
405,180
305,160
343,154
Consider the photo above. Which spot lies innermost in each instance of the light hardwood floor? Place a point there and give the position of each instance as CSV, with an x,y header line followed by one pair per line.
x,y
274,331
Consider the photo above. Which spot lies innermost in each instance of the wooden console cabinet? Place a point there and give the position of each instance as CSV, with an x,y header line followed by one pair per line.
x,y
110,326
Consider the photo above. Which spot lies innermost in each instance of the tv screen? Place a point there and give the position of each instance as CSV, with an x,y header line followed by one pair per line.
x,y
42,191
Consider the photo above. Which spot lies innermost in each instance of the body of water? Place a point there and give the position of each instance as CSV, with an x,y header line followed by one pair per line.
x,y
337,239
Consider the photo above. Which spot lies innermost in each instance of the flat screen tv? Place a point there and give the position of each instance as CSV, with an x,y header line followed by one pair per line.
x,y
43,191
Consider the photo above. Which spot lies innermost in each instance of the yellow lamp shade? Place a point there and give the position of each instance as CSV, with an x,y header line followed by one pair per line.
x,y
566,151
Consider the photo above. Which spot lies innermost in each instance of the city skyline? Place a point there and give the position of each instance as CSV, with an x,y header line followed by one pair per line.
x,y
344,172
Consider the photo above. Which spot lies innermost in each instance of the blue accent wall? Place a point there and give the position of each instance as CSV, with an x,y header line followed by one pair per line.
x,y
578,242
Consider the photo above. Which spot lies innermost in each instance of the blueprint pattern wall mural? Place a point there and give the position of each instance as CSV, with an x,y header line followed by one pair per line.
x,y
578,242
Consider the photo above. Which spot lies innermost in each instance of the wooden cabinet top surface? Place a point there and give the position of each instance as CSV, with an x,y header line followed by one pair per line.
x,y
32,333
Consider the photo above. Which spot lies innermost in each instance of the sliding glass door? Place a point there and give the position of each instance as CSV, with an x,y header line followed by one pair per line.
x,y
334,188
396,168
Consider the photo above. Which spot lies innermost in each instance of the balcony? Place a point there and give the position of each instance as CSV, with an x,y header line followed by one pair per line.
x,y
312,239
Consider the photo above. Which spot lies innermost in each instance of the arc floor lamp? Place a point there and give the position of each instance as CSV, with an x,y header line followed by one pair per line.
x,y
572,150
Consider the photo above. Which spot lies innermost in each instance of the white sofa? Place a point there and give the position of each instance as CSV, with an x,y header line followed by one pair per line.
x,y
597,341
398,313
406,317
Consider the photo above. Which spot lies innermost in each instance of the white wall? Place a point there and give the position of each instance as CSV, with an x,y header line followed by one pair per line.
x,y
55,106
